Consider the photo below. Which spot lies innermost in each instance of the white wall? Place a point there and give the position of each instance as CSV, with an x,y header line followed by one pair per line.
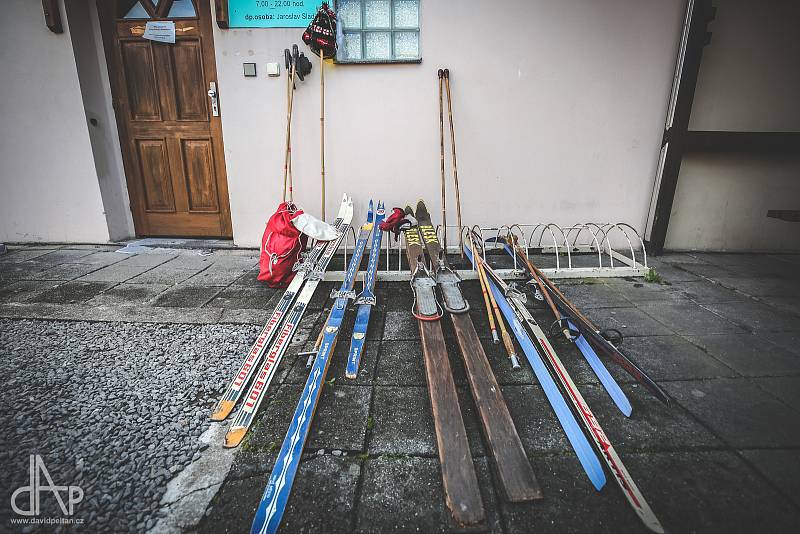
x,y
48,183
749,81
87,42
559,110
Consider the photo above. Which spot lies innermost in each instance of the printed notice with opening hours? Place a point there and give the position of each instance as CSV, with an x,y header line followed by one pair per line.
x,y
271,13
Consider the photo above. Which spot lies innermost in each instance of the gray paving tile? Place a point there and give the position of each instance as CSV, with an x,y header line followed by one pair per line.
x,y
402,422
689,318
598,295
118,272
755,316
24,290
72,292
341,402
740,413
674,272
164,274
762,287
784,304
705,270
64,255
241,297
669,358
652,426
748,354
630,321
102,258
24,254
781,467
675,257
245,316
183,296
151,259
66,271
638,292
536,423
786,388
23,270
401,363
128,295
400,325
705,292
787,340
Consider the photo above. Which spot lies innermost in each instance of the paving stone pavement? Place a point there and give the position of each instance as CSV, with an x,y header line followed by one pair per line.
x,y
721,335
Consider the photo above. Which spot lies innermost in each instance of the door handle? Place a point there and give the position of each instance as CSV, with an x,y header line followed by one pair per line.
x,y
212,94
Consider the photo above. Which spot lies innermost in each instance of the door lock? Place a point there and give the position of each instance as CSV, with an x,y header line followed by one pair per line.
x,y
212,94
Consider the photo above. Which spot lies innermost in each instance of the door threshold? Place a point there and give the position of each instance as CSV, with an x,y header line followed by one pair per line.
x,y
136,246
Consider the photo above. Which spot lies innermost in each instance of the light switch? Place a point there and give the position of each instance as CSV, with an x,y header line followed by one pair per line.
x,y
249,70
273,69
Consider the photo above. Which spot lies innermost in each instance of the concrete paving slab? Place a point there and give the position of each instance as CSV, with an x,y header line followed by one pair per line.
x,y
706,270
781,467
151,260
675,257
241,298
249,279
72,292
749,354
24,270
501,365
705,292
400,363
24,290
402,422
787,340
128,295
405,494
322,499
215,276
63,255
536,423
184,296
786,388
366,369
754,316
689,318
102,258
643,292
630,321
341,403
273,418
652,425
400,325
784,304
65,271
670,358
762,287
165,274
245,316
118,272
739,412
322,296
599,295
17,255
671,273
133,314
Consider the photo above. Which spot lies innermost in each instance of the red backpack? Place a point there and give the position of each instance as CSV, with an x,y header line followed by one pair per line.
x,y
281,247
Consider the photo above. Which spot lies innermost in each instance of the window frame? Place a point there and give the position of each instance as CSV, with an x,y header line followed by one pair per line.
x,y
391,30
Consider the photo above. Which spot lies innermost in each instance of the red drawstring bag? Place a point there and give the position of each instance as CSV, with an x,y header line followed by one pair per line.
x,y
281,247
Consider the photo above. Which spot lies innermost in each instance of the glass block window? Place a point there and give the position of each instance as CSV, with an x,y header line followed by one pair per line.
x,y
378,31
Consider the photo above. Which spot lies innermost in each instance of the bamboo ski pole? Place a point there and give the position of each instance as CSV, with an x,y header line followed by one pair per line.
x,y
455,162
322,122
507,341
441,160
485,292
287,154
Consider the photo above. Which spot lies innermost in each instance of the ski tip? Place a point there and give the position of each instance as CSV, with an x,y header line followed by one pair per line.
x,y
351,375
422,210
235,436
222,411
408,210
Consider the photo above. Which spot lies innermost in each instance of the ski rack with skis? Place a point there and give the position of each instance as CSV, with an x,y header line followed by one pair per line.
x,y
601,250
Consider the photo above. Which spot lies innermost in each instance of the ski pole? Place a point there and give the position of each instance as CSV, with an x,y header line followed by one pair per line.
x,y
289,98
544,288
455,163
441,160
485,292
322,122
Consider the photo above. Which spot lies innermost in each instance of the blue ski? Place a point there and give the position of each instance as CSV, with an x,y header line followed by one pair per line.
x,y
276,495
577,438
366,300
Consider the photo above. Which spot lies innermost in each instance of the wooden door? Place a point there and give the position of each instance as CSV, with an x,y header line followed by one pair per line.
x,y
171,140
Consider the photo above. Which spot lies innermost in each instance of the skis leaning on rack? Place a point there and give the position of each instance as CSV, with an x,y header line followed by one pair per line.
x,y
590,423
366,300
266,372
461,491
240,380
276,495
505,445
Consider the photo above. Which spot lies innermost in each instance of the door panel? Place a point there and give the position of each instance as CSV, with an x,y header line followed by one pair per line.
x,y
198,162
187,59
155,175
142,88
172,145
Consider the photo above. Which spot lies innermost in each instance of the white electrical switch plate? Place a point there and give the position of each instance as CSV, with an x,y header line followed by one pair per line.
x,y
273,69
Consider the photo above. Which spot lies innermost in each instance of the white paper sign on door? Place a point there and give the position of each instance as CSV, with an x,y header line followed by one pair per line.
x,y
161,31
